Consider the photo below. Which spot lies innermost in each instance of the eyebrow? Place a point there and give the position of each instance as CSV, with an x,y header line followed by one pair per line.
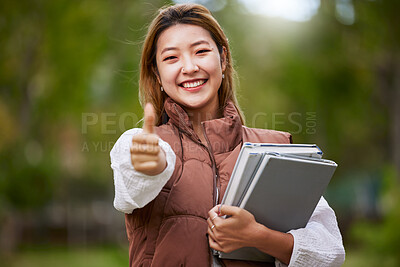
x,y
192,45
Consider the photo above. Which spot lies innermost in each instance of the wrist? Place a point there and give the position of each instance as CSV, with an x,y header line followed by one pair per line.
x,y
261,237
274,243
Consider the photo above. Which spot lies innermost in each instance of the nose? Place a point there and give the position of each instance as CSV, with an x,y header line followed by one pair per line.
x,y
189,66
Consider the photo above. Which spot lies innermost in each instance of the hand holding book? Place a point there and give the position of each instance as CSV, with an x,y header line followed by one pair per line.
x,y
233,232
239,229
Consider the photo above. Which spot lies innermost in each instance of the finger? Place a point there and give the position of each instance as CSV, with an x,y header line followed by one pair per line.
x,y
145,139
213,211
214,217
144,157
145,166
229,210
145,149
217,221
211,235
149,118
210,223
213,243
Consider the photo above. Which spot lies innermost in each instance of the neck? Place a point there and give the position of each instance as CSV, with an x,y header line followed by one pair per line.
x,y
198,116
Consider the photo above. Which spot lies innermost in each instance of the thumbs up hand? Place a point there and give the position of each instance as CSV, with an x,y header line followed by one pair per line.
x,y
146,155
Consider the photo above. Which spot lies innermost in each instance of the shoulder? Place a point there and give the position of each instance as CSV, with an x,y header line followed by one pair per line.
x,y
265,136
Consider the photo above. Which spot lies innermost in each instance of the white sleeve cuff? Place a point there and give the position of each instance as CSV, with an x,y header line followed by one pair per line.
x,y
320,242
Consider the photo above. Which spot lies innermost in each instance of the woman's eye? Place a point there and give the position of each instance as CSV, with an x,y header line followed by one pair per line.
x,y
202,51
169,58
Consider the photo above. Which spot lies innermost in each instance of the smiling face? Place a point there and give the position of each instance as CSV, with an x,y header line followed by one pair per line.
x,y
190,67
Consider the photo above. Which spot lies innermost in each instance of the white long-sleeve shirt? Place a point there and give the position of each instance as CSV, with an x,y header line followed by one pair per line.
x,y
318,244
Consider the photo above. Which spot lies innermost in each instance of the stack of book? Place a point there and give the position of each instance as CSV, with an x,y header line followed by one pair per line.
x,y
280,184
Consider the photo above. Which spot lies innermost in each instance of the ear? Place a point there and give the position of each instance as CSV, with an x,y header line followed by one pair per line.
x,y
223,58
155,71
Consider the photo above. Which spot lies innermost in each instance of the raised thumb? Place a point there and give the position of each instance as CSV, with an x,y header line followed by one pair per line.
x,y
149,118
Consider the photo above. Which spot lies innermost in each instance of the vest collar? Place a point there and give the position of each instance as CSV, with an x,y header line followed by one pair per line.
x,y
224,133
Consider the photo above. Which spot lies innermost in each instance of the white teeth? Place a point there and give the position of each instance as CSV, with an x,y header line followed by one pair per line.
x,y
193,84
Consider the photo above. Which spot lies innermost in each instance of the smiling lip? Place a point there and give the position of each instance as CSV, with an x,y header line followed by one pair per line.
x,y
193,85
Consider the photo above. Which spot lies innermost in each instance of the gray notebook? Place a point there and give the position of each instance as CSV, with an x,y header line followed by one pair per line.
x,y
282,195
250,157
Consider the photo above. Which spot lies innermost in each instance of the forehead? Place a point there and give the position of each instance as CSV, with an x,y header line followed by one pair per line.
x,y
181,35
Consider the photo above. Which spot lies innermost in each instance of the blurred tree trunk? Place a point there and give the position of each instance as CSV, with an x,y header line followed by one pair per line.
x,y
9,233
396,114
389,78
389,85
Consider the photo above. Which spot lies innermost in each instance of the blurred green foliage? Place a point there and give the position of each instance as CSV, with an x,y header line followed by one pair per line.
x,y
380,239
68,89
64,257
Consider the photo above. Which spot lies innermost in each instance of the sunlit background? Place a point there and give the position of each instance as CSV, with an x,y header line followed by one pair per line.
x,y
327,71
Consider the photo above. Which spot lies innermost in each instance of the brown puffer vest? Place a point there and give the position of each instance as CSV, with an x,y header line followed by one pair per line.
x,y
171,229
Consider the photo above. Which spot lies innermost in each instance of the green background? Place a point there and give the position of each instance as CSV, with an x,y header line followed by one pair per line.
x,y
69,89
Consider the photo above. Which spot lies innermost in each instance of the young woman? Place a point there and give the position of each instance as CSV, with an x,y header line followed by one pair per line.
x,y
171,175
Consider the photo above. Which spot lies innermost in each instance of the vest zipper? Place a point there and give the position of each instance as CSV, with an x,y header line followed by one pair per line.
x,y
214,167
209,150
